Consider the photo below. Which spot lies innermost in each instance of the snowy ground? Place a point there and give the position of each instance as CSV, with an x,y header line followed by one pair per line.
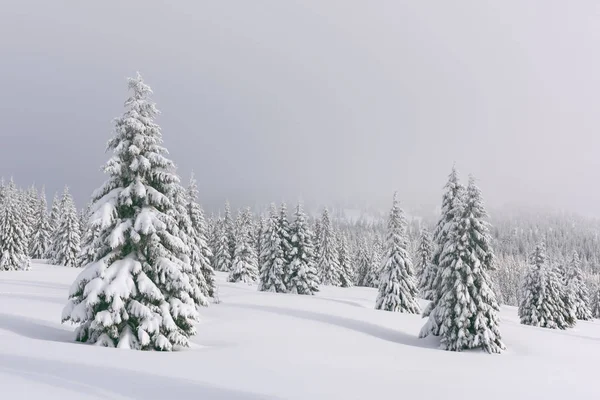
x,y
267,346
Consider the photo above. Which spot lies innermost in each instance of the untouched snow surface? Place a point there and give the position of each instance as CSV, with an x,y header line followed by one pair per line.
x,y
258,345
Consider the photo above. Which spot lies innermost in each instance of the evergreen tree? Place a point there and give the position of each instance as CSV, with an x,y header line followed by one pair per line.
x,y
363,261
542,304
424,267
284,233
302,275
222,258
432,288
188,254
595,301
135,294
67,241
54,214
40,240
328,261
30,206
466,309
203,255
375,270
230,230
13,232
345,262
397,290
317,238
259,233
244,266
577,289
272,268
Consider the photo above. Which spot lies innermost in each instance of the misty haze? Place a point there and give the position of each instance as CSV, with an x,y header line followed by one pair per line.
x,y
299,199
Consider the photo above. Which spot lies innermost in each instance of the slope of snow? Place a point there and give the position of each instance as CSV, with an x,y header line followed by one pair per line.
x,y
258,345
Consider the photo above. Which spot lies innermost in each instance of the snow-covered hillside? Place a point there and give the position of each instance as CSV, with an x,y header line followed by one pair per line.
x,y
258,345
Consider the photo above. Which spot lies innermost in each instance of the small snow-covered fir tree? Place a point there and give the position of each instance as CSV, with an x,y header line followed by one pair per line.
x,y
424,267
188,253
135,294
328,263
13,232
301,275
577,289
466,309
40,240
431,288
397,290
284,233
230,231
595,299
202,254
363,262
55,213
375,268
244,266
67,241
542,304
345,261
222,258
273,257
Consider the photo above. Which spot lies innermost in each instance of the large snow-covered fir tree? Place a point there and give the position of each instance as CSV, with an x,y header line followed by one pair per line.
x,y
67,242
466,309
202,255
301,276
13,232
542,303
244,266
397,288
273,257
328,263
40,239
345,261
430,288
424,268
576,287
135,294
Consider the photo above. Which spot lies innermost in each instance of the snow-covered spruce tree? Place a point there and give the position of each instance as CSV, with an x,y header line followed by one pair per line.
x,y
258,234
67,242
301,275
542,304
222,258
30,203
431,289
424,268
375,267
13,232
397,288
40,239
199,235
467,309
244,266
595,300
577,289
273,257
87,254
328,263
189,253
345,261
54,214
229,226
135,294
363,261
317,236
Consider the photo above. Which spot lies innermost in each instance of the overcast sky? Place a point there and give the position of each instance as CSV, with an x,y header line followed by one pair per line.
x,y
315,99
